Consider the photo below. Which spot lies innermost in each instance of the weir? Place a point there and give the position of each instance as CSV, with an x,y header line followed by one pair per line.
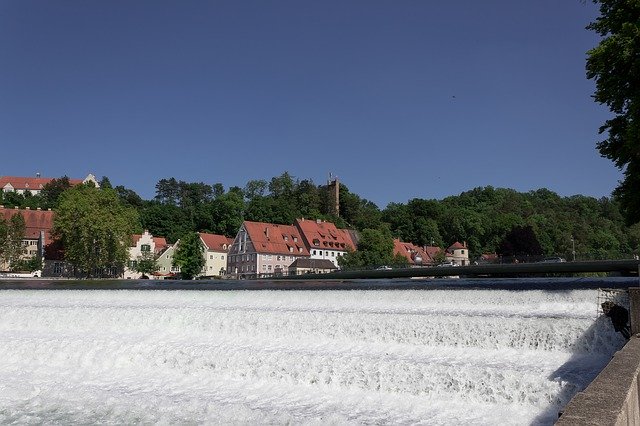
x,y
435,356
613,398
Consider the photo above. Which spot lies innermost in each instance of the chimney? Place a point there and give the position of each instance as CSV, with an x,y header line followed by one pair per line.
x,y
266,232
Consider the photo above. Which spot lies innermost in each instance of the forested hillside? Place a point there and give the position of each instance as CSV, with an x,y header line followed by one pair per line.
x,y
482,217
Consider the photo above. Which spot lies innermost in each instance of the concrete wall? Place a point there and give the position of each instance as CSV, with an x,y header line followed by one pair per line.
x,y
613,397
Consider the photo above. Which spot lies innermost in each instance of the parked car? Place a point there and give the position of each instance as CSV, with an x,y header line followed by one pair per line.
x,y
554,259
452,263
383,268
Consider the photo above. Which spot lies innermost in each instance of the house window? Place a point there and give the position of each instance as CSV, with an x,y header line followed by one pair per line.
x,y
222,257
333,254
264,268
210,256
57,268
462,251
269,268
145,247
314,252
279,257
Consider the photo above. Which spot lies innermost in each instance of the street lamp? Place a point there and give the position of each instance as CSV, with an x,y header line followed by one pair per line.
x,y
573,248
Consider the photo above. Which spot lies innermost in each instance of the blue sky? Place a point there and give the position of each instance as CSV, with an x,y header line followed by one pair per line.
x,y
399,99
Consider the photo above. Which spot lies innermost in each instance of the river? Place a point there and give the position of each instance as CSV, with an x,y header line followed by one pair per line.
x,y
439,352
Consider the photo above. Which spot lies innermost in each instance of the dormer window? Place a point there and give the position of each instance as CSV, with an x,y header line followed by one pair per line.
x,y
286,238
145,247
295,239
316,242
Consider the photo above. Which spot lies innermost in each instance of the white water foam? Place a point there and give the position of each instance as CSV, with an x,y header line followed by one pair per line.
x,y
434,357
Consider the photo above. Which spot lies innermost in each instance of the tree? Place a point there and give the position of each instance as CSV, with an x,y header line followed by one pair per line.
x,y
95,228
52,190
189,256
105,183
615,66
520,241
146,263
11,235
375,248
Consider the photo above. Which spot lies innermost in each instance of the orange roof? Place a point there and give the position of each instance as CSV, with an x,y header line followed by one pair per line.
x,y
457,246
277,239
411,251
30,183
215,241
325,235
35,221
160,242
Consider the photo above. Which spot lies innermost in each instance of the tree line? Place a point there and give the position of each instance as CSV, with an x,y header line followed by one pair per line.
x,y
484,217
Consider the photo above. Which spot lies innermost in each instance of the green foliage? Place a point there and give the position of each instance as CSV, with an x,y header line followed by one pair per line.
x,y
190,256
615,66
375,248
520,241
11,235
95,228
52,191
146,263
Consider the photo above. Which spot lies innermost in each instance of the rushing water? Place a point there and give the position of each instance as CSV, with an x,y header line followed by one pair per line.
x,y
436,357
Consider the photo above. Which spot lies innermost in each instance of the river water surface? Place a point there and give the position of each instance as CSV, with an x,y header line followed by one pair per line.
x,y
436,353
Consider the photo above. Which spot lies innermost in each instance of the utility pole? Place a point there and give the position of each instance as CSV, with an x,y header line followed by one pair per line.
x,y
573,248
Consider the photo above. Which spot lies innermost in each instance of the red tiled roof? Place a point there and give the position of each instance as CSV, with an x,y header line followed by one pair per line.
x,y
216,242
35,221
31,183
411,251
456,246
325,235
160,242
277,239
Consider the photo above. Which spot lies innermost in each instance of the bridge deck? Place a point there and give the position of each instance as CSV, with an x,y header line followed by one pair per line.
x,y
518,269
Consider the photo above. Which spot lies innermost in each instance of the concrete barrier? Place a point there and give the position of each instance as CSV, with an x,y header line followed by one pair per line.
x,y
613,397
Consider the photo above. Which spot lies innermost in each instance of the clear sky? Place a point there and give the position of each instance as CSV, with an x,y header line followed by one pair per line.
x,y
400,99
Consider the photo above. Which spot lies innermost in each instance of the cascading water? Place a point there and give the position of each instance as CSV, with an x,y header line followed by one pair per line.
x,y
302,357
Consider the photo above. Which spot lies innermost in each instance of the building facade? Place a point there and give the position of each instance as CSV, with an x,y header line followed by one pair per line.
x,y
264,249
216,249
324,240
34,185
143,246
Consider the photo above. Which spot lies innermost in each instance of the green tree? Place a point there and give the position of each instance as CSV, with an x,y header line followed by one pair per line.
x,y
520,241
375,248
146,263
95,229
615,66
11,235
51,191
189,256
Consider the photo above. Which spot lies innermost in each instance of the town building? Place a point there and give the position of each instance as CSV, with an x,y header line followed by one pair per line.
x,y
37,235
264,249
34,185
458,253
324,240
166,270
305,265
143,245
216,249
415,255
